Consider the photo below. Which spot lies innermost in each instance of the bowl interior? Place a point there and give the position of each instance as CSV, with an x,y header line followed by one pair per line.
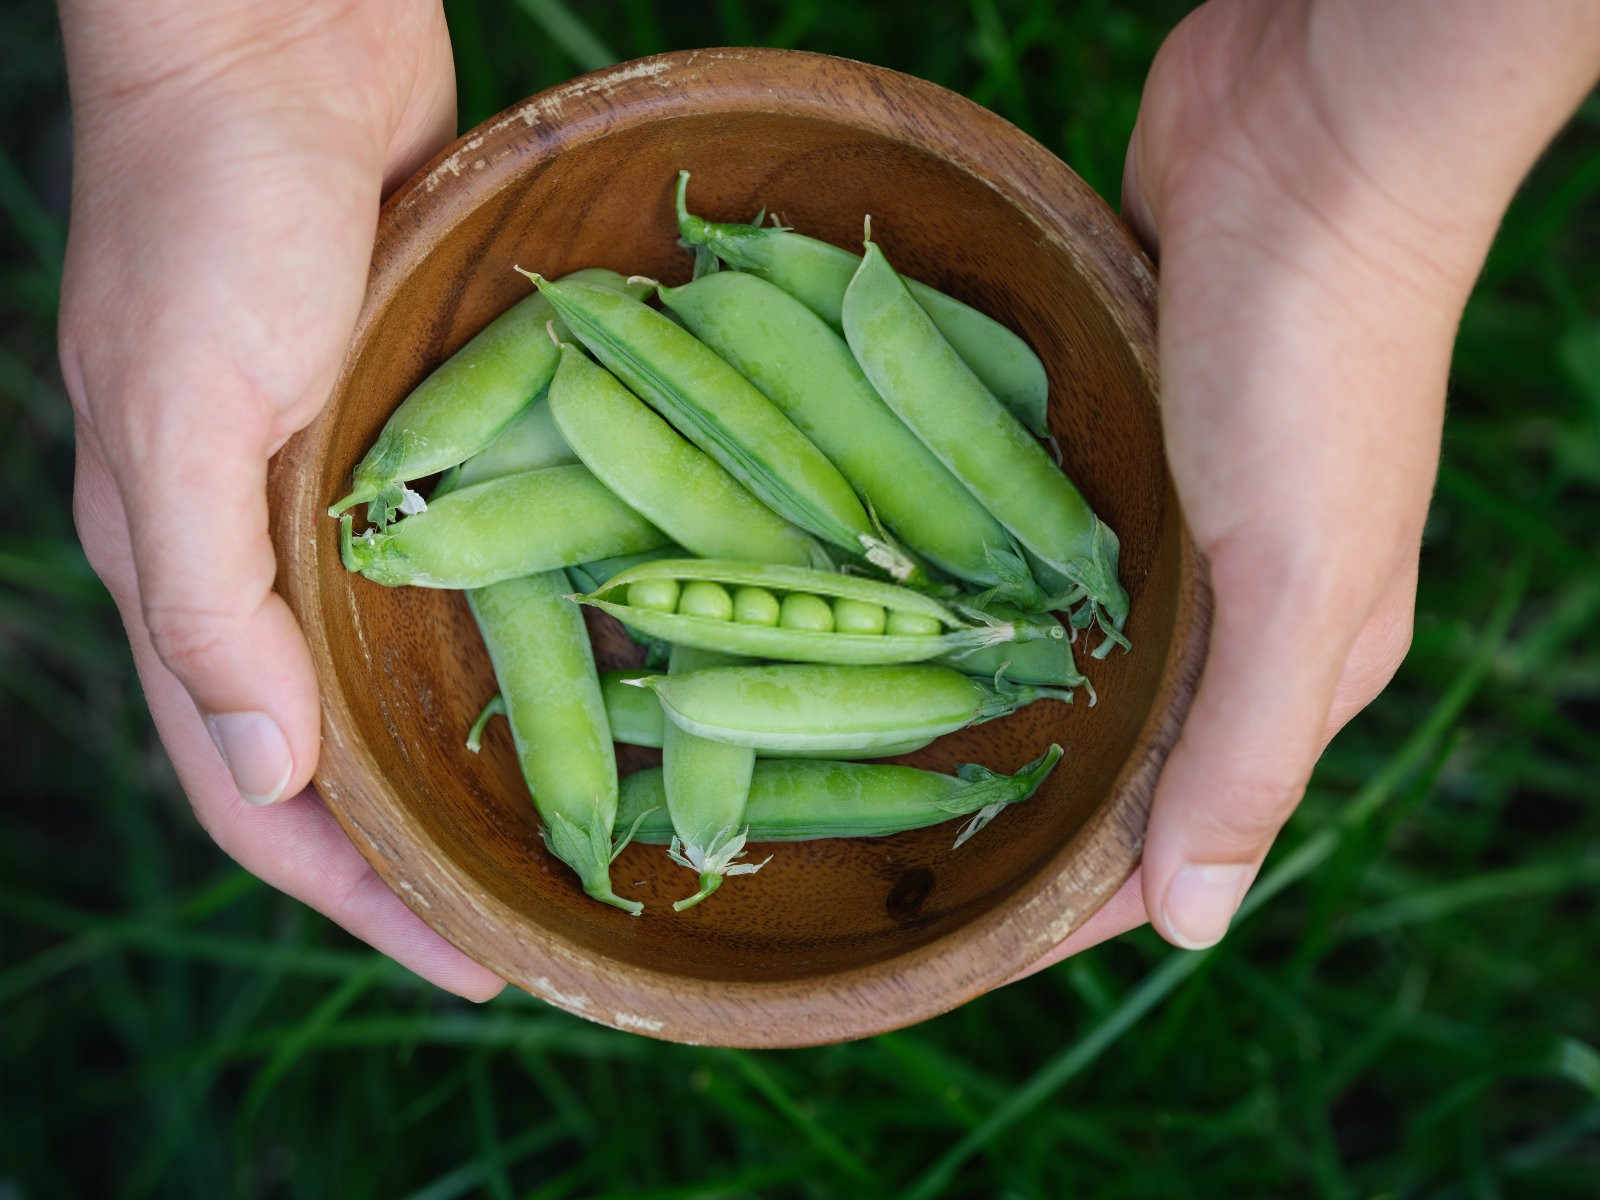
x,y
404,671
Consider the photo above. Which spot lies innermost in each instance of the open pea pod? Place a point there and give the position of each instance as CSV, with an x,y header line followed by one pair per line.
x,y
796,800
646,598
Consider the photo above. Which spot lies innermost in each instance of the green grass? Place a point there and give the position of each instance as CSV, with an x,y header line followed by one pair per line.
x,y
1407,1008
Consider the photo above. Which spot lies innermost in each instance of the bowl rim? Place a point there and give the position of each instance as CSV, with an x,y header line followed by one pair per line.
x,y
914,985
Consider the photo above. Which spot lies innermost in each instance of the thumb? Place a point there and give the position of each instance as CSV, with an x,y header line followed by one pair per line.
x,y
197,520
1248,746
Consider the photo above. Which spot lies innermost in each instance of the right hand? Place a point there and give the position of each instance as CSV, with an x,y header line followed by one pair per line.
x,y
228,163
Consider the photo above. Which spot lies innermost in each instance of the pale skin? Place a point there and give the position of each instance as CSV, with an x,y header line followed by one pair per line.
x,y
1320,180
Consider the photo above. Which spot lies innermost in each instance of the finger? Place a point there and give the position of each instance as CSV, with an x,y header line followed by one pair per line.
x,y
197,521
1247,747
1124,911
294,846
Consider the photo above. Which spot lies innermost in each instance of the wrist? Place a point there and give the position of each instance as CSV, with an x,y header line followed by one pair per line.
x,y
1441,109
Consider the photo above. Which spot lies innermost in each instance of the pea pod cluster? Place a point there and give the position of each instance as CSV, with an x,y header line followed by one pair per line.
x,y
812,489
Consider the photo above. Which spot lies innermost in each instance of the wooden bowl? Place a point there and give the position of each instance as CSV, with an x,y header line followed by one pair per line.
x,y
834,939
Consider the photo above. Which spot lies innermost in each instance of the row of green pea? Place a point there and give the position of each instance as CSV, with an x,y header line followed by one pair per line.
x,y
752,605
754,424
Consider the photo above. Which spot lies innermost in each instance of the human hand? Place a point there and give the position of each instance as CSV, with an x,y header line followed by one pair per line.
x,y
1321,180
229,160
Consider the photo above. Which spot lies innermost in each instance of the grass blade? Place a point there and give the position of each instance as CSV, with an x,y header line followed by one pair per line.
x,y
563,27
1178,966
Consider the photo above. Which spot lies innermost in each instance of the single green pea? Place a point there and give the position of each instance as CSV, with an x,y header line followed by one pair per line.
x,y
801,610
857,616
913,624
658,595
702,598
755,606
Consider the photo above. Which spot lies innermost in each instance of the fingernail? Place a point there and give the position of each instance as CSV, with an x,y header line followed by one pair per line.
x,y
256,753
1201,900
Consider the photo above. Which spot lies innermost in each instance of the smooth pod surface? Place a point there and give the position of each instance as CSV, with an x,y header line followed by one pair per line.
x,y
501,529
831,940
676,486
807,370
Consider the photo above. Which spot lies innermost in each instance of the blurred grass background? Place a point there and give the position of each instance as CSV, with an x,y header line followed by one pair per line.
x,y
1408,1008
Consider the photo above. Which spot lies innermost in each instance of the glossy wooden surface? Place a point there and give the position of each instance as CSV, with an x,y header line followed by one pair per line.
x,y
837,939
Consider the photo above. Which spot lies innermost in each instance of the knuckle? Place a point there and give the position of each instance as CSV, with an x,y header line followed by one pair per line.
x,y
1248,813
190,640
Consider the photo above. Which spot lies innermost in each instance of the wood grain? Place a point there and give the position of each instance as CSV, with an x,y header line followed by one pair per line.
x,y
833,940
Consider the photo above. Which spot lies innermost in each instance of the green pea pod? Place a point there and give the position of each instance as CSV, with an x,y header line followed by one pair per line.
x,y
706,785
515,525
799,644
925,382
659,475
545,669
795,801
636,719
468,399
530,442
816,273
803,706
718,410
805,368
1042,660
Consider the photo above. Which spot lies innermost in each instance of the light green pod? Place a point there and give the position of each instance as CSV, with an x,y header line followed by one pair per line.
x,y
545,668
465,403
806,645
1043,660
589,576
676,487
923,380
706,785
515,525
802,706
637,720
806,369
718,410
816,273
530,442
797,800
